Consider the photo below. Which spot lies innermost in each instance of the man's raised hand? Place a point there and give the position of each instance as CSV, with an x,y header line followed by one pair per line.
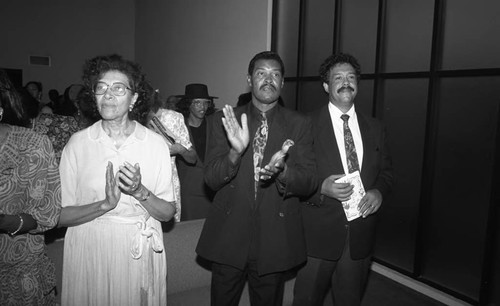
x,y
237,135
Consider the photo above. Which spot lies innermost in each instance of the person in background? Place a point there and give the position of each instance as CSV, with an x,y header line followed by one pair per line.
x,y
58,128
244,98
30,196
30,105
66,120
113,250
260,163
35,89
87,113
345,142
170,124
196,104
171,102
48,108
66,103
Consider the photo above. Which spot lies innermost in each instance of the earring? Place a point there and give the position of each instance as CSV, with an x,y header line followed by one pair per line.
x,y
1,113
131,107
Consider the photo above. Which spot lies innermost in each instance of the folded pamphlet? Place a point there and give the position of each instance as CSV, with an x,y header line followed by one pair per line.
x,y
351,205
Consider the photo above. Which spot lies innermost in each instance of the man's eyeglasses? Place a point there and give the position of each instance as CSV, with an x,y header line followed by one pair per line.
x,y
117,89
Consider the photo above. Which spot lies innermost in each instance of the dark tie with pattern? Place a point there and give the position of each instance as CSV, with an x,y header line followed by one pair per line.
x,y
259,144
350,149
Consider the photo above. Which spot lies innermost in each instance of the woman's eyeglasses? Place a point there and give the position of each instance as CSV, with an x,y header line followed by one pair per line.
x,y
117,89
200,103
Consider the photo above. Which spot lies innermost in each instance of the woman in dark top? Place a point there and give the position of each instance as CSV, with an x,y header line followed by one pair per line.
x,y
196,197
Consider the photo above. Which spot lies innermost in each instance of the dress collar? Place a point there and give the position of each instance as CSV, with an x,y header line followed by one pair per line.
x,y
97,132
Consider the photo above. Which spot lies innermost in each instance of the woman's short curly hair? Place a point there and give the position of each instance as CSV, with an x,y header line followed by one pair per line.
x,y
96,67
335,59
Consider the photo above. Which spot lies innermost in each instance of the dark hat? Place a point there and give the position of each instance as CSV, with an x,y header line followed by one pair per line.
x,y
196,91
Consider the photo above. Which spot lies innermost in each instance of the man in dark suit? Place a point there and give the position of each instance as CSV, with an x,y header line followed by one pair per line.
x,y
339,251
254,230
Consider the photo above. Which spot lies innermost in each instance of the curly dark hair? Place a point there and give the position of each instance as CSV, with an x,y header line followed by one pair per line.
x,y
335,59
86,104
266,55
14,112
96,67
185,103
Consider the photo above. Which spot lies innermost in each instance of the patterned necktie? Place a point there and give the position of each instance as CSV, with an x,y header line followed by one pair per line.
x,y
259,144
350,149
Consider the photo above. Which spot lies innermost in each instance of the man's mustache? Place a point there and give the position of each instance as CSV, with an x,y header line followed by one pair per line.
x,y
268,84
345,88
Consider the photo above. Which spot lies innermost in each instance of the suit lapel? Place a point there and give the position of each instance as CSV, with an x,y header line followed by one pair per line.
x,y
327,141
276,136
246,165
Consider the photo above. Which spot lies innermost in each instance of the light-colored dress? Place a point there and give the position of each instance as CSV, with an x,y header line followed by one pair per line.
x,y
118,258
29,183
174,123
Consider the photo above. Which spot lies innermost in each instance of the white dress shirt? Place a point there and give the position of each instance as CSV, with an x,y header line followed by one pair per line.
x,y
338,128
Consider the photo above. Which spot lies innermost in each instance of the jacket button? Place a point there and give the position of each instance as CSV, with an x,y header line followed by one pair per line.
x,y
282,214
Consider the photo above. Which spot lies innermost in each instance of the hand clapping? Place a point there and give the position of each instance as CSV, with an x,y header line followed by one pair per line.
x,y
113,192
237,135
129,178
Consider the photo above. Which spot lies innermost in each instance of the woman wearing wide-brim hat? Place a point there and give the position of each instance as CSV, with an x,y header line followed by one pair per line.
x,y
196,197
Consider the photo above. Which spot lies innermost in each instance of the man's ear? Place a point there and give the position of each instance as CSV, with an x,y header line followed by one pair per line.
x,y
325,87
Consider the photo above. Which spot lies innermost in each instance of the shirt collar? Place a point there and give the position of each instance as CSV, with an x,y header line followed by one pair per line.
x,y
96,131
336,112
255,112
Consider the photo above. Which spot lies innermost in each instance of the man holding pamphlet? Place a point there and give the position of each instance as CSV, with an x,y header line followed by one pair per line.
x,y
355,169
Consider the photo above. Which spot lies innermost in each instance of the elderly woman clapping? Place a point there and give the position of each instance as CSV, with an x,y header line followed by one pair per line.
x,y
116,188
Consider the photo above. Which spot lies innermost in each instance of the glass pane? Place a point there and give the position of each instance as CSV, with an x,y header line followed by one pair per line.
x,y
408,36
312,96
471,34
288,94
405,123
359,31
287,34
364,98
454,233
318,35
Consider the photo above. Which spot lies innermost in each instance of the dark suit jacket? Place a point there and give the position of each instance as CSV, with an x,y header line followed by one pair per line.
x,y
276,216
325,223
196,196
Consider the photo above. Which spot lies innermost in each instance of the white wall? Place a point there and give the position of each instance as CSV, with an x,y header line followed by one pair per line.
x,y
176,41
67,31
199,41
